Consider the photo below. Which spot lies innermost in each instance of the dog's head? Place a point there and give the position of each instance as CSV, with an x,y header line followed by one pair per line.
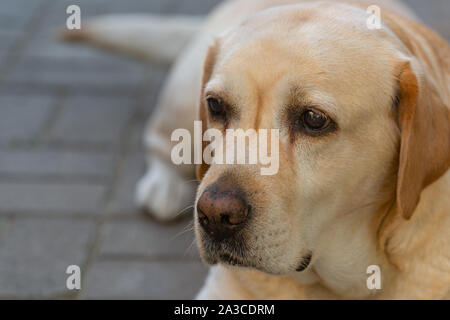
x,y
359,127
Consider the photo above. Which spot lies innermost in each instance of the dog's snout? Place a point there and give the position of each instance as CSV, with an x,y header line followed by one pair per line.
x,y
221,212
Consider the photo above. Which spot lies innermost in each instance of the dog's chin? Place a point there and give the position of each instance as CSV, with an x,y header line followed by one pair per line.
x,y
227,258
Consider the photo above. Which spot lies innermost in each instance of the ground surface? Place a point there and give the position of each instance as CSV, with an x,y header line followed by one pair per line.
x,y
71,121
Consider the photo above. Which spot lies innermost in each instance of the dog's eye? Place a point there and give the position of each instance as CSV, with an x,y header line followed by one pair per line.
x,y
312,122
315,121
216,107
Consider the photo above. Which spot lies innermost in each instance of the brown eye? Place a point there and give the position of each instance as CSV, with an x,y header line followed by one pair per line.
x,y
315,121
216,107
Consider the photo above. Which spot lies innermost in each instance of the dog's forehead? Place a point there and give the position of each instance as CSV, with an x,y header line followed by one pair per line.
x,y
315,49
324,33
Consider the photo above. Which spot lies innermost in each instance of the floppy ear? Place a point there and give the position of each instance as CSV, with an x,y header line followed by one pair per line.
x,y
425,138
207,71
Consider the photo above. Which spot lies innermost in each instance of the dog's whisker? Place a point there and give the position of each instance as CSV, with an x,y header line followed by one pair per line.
x,y
189,181
189,248
187,208
189,227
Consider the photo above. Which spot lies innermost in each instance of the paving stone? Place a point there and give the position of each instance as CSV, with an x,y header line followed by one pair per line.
x,y
123,197
434,13
19,8
145,280
200,7
137,135
57,15
143,237
90,8
95,119
55,163
158,75
7,41
3,229
15,14
54,198
142,7
75,73
23,115
35,255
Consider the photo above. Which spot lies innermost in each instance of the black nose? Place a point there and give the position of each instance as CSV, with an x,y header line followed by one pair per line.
x,y
221,212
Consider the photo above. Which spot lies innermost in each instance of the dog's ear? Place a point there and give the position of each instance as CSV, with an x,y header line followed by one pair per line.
x,y
207,71
425,137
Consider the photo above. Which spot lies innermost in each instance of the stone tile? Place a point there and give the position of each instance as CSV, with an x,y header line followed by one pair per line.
x,y
15,14
75,73
157,77
59,163
23,115
433,13
142,7
145,280
122,201
137,135
143,237
46,45
91,8
54,198
200,7
7,41
56,15
19,7
3,229
36,253
93,119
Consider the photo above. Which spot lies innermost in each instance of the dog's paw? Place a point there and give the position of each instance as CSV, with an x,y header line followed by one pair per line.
x,y
163,192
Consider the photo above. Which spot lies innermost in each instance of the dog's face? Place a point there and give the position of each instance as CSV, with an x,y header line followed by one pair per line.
x,y
328,83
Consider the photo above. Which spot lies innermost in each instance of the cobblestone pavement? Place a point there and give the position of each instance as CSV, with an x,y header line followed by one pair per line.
x,y
71,122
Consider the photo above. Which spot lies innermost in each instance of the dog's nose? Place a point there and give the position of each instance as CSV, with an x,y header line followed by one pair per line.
x,y
221,212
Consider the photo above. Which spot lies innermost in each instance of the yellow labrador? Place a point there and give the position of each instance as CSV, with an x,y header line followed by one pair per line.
x,y
364,151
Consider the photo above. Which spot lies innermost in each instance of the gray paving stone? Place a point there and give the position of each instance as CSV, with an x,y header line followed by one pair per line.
x,y
4,223
23,115
56,15
95,119
55,163
143,237
145,280
90,8
123,197
50,198
138,6
35,255
434,13
195,6
19,7
15,14
75,73
7,41
137,135
158,76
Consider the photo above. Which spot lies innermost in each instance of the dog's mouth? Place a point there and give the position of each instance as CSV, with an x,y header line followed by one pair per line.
x,y
306,260
231,260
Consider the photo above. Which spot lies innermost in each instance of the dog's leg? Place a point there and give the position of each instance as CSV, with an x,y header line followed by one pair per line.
x,y
167,190
159,39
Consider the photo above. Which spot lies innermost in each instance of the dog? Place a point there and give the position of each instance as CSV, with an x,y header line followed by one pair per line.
x,y
364,134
